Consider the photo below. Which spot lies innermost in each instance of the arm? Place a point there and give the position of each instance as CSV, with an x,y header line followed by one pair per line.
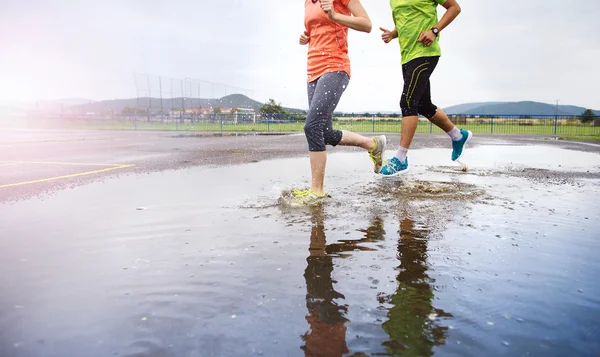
x,y
452,11
359,20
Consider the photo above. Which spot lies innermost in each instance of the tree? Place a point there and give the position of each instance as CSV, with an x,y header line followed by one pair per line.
x,y
588,116
272,107
217,110
129,111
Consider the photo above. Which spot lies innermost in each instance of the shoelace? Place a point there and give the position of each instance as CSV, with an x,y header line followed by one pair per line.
x,y
375,157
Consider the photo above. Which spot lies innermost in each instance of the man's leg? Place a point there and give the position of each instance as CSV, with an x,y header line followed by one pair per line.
x,y
440,119
416,77
416,86
436,115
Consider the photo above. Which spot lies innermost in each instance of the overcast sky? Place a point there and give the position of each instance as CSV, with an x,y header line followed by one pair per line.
x,y
507,50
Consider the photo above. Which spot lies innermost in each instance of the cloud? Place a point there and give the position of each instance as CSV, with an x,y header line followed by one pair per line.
x,y
509,50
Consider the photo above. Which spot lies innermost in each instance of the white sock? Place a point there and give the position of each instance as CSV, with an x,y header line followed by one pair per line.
x,y
401,154
455,134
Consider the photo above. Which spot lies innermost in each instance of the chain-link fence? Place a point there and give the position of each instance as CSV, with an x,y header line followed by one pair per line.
x,y
164,96
240,121
164,103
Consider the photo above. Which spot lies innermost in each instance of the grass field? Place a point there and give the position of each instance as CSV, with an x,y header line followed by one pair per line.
x,y
382,126
586,138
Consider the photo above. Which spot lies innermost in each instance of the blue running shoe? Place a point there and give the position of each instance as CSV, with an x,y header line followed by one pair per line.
x,y
458,146
394,167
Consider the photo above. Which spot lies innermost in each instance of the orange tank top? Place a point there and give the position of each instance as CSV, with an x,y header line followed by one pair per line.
x,y
328,46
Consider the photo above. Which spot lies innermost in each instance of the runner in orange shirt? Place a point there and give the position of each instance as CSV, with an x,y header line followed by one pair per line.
x,y
327,23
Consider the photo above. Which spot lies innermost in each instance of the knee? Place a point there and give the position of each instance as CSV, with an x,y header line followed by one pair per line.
x,y
332,137
312,128
409,108
427,110
314,135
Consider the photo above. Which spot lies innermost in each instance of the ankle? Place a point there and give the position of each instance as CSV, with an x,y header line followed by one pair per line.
x,y
370,144
455,134
318,191
401,154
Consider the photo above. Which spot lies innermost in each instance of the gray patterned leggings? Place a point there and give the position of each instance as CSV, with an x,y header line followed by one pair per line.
x,y
324,95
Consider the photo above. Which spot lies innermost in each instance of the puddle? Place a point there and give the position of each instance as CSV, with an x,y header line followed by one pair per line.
x,y
225,134
208,262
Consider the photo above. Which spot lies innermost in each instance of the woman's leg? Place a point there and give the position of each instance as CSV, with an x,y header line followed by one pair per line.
x,y
324,95
318,161
353,139
375,146
314,130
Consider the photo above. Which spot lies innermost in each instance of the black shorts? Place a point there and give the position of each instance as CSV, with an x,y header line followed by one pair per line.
x,y
416,96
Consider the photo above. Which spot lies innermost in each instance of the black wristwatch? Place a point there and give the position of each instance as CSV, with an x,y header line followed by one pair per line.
x,y
435,31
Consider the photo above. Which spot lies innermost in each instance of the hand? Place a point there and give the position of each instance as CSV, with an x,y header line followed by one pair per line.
x,y
427,38
304,39
327,6
386,35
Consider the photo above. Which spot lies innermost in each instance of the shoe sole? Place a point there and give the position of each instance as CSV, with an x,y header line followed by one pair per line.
x,y
465,146
399,173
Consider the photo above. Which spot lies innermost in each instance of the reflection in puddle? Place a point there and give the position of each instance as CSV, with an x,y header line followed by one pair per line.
x,y
412,321
326,317
462,265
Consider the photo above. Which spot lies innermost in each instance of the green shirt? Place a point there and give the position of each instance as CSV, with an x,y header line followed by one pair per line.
x,y
413,17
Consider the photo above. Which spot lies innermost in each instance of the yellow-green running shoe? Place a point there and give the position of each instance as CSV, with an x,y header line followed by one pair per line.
x,y
309,196
376,154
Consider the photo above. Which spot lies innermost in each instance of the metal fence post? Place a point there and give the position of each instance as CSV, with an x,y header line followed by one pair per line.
x,y
221,121
268,122
373,122
430,127
555,123
492,125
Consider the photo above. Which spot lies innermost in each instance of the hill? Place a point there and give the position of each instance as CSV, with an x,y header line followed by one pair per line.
x,y
515,108
463,108
156,104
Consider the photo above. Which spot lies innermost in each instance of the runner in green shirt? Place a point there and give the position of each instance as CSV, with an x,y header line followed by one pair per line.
x,y
418,29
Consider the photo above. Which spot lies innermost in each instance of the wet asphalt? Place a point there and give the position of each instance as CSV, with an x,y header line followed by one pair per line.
x,y
169,244
30,160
